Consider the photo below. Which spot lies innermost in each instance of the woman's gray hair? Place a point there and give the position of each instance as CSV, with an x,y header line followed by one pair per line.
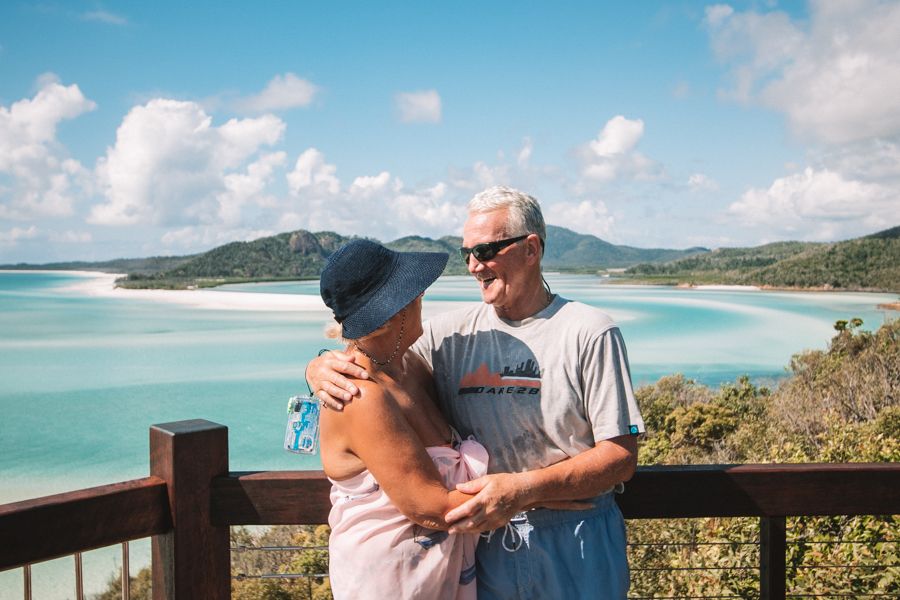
x,y
524,211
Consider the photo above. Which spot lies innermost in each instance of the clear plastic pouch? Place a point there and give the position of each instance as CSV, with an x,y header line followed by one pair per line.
x,y
301,435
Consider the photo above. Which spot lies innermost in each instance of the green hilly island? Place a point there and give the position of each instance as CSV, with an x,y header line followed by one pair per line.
x,y
870,263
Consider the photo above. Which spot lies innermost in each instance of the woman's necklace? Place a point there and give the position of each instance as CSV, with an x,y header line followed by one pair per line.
x,y
396,346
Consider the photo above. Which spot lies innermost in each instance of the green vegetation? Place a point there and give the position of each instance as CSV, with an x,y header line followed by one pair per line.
x,y
287,256
837,405
867,263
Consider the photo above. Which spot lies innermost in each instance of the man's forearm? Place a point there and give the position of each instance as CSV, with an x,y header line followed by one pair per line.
x,y
499,496
583,476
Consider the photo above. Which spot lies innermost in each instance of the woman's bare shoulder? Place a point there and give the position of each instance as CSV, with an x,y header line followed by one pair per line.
x,y
374,398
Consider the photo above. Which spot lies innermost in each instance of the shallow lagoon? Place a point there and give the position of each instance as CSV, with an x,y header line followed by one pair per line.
x,y
82,377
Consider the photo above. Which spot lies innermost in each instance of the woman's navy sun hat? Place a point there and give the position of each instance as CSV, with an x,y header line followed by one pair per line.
x,y
365,284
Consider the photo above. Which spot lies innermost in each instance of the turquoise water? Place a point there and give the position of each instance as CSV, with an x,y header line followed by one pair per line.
x,y
82,378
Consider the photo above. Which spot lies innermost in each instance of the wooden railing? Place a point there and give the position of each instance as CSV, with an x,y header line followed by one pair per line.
x,y
191,499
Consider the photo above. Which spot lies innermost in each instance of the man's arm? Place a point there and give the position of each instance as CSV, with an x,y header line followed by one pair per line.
x,y
502,495
327,376
330,375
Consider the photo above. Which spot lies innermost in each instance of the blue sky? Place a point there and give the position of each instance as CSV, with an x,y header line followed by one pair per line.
x,y
135,129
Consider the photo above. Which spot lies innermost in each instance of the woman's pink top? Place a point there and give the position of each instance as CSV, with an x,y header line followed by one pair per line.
x,y
375,552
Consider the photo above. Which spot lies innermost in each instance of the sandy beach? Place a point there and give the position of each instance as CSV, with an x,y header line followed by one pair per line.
x,y
721,287
103,285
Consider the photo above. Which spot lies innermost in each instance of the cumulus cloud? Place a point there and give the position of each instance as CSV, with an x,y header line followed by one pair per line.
x,y
171,166
368,186
429,210
820,205
831,77
377,205
312,175
283,92
612,154
418,107
875,160
248,187
201,237
586,216
43,180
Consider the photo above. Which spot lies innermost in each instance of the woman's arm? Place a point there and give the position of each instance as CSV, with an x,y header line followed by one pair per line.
x,y
375,430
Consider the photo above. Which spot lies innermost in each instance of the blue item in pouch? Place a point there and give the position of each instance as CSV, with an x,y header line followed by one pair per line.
x,y
302,433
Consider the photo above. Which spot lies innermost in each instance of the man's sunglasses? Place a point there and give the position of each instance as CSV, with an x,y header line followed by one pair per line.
x,y
488,250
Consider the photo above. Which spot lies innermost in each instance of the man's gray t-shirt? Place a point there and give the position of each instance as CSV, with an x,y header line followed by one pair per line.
x,y
536,391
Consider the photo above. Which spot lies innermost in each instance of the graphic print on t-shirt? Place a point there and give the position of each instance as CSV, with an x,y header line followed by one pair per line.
x,y
518,378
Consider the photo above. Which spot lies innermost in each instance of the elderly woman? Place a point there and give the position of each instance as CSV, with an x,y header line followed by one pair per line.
x,y
392,457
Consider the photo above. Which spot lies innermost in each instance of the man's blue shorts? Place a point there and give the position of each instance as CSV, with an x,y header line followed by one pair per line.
x,y
556,554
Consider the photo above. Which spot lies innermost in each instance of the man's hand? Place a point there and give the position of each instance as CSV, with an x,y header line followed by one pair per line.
x,y
498,498
327,379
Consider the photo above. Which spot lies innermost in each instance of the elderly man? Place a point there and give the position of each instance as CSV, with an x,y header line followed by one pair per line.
x,y
543,382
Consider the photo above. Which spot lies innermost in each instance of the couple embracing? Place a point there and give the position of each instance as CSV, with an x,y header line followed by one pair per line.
x,y
514,419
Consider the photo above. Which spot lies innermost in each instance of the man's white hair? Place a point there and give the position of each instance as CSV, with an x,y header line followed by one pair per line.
x,y
524,211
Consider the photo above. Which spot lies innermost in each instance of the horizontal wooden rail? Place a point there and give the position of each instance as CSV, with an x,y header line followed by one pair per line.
x,y
271,498
769,490
62,524
658,492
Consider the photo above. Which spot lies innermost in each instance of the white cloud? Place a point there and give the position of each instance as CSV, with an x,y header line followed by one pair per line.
x,y
869,160
698,182
586,216
283,92
198,238
375,205
618,136
612,154
103,16
832,78
249,186
312,175
428,211
44,182
717,13
12,236
367,186
419,107
820,205
171,166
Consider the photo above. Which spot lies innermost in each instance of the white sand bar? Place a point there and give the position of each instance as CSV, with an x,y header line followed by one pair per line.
x,y
735,288
103,285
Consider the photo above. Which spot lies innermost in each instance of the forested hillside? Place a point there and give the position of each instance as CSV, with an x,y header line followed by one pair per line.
x,y
867,263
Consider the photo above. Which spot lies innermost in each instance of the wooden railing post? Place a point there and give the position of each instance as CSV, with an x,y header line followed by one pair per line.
x,y
193,560
772,558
